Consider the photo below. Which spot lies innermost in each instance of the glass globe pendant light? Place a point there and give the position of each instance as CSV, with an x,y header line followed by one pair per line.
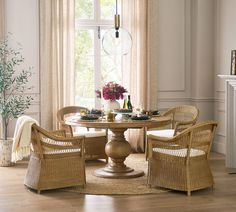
x,y
117,41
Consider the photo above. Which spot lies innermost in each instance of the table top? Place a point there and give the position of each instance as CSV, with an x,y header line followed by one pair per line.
x,y
154,122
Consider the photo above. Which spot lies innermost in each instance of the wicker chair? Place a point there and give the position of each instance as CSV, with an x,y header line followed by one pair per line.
x,y
181,162
95,140
55,161
182,117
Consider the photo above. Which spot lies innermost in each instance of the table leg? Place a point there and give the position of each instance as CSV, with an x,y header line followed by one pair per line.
x,y
117,150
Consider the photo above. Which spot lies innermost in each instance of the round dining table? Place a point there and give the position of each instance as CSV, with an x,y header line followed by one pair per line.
x,y
118,148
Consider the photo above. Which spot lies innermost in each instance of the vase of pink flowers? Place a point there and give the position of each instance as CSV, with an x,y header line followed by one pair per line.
x,y
111,92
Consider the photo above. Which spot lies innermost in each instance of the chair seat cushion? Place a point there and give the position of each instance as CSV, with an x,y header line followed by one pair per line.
x,y
168,133
89,134
179,152
61,151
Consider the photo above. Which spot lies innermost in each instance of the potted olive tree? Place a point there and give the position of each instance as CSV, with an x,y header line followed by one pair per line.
x,y
13,100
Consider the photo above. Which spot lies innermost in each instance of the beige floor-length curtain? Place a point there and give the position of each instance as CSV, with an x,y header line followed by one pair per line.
x,y
139,17
2,19
2,33
56,58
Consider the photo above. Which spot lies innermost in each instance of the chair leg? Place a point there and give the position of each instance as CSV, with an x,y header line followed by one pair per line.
x,y
85,179
145,144
212,187
188,181
148,180
148,184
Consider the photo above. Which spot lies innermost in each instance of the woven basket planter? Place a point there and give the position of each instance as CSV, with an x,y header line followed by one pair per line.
x,y
5,152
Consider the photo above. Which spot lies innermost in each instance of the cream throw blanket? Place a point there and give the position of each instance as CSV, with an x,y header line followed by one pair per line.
x,y
22,138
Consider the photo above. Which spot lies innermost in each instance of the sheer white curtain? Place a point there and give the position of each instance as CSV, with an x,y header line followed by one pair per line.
x,y
2,19
56,58
139,17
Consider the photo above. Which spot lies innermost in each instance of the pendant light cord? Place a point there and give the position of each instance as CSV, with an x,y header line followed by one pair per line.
x,y
116,8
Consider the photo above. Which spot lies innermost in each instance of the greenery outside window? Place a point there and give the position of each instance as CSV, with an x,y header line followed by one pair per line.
x,y
93,67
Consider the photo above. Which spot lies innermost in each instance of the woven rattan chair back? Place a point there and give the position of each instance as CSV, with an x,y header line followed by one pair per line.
x,y
181,162
182,117
52,156
94,145
68,111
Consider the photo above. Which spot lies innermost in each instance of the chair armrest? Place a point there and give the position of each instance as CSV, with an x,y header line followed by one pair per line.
x,y
160,139
182,123
55,137
175,142
185,122
163,126
65,139
59,132
66,127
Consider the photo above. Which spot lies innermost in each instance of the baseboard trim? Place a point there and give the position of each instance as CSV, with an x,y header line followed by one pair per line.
x,y
219,146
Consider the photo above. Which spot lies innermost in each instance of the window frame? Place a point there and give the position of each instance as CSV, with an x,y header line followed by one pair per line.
x,y
96,24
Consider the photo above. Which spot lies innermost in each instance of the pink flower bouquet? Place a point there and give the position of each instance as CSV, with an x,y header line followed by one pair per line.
x,y
111,91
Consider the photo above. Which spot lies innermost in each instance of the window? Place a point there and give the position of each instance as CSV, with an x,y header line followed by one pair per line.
x,y
93,67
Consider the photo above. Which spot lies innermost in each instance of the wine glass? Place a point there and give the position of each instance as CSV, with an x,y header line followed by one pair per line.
x,y
139,109
102,111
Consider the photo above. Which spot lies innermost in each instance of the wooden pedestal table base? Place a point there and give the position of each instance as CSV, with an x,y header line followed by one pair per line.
x,y
117,150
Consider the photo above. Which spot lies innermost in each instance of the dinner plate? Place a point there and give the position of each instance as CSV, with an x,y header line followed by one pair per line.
x,y
96,112
122,110
141,117
89,117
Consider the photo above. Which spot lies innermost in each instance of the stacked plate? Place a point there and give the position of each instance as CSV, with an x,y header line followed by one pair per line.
x,y
140,117
90,117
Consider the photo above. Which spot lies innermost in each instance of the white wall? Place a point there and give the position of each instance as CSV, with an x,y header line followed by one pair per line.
x,y
202,56
225,41
22,22
173,53
185,58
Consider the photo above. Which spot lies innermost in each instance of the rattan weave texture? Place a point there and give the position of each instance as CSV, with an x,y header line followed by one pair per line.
x,y
55,164
181,170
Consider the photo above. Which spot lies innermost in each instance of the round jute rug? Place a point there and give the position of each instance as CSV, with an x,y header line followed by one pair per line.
x,y
104,186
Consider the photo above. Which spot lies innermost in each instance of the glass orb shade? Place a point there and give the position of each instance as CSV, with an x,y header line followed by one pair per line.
x,y
117,44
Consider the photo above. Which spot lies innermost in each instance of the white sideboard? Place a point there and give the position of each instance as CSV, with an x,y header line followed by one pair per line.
x,y
230,99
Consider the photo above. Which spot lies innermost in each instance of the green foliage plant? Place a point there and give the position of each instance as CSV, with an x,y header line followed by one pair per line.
x,y
13,85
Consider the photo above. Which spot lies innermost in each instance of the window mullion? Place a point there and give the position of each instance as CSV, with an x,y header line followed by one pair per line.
x,y
97,65
97,10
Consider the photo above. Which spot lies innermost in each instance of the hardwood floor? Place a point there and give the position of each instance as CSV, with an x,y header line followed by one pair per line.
x,y
15,197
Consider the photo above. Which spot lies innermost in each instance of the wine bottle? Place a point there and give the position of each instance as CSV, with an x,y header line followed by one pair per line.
x,y
125,104
129,103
